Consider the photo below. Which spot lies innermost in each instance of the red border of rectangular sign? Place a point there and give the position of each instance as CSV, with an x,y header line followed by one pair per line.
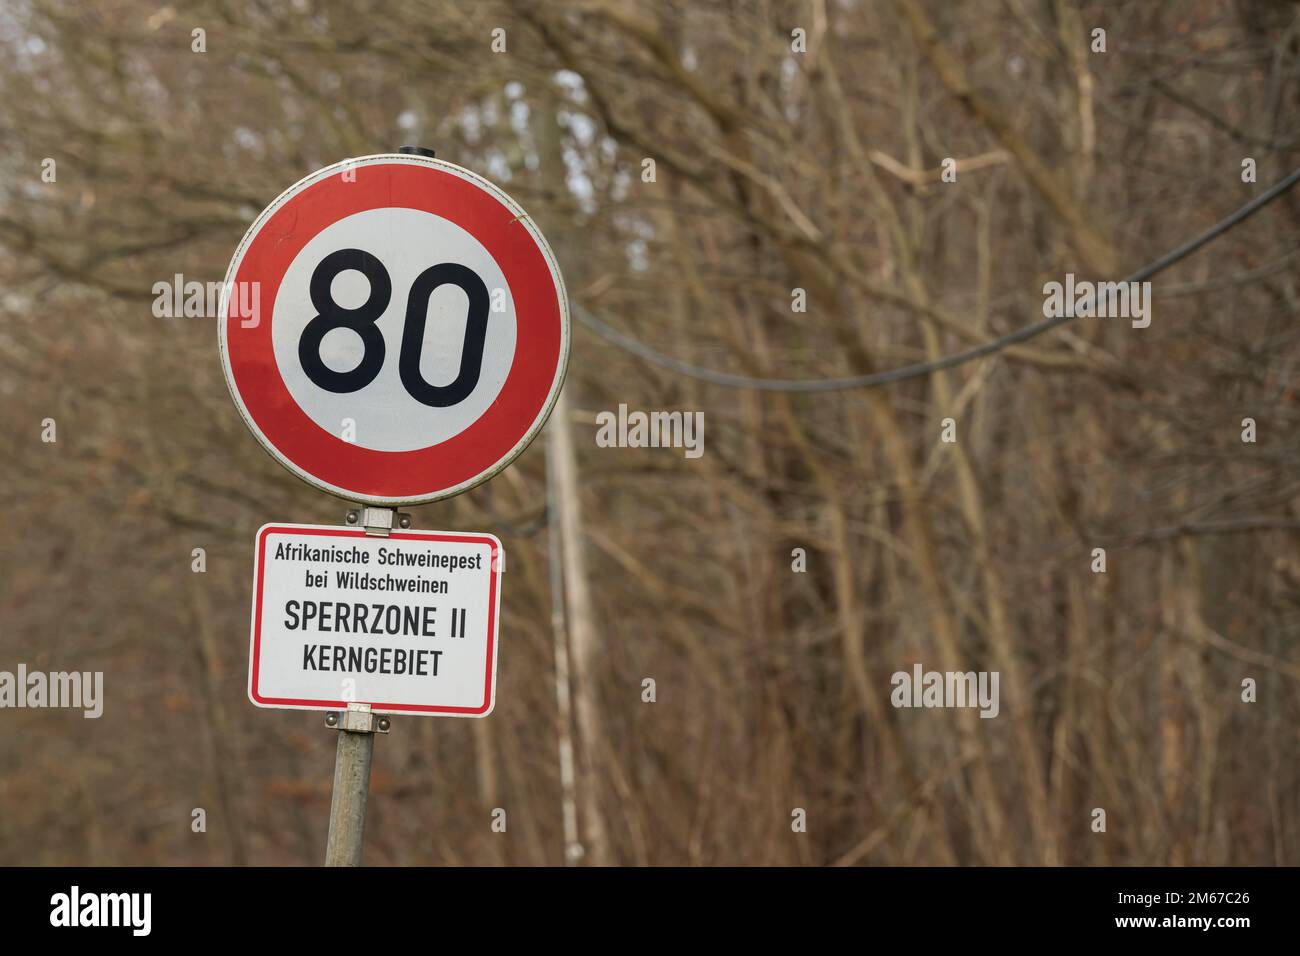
x,y
385,708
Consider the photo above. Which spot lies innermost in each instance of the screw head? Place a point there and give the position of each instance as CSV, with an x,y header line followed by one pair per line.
x,y
405,521
352,517
384,723
331,719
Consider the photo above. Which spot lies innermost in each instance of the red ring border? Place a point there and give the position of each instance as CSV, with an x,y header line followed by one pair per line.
x,y
489,443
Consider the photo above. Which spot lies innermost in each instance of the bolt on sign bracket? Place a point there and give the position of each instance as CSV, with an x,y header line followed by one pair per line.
x,y
378,522
359,720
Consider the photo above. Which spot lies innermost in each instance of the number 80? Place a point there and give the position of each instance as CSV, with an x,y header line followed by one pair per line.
x,y
330,315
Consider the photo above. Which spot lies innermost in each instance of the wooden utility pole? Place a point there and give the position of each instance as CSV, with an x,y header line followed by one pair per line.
x,y
573,849
563,478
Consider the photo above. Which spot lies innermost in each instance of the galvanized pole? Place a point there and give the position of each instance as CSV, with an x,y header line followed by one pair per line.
x,y
357,727
351,783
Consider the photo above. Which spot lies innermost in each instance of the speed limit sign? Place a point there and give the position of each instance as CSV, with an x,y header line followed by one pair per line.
x,y
394,329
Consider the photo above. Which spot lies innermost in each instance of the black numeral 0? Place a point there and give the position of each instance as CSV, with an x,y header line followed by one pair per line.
x,y
471,355
330,316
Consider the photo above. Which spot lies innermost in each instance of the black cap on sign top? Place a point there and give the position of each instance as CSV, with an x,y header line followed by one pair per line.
x,y
417,151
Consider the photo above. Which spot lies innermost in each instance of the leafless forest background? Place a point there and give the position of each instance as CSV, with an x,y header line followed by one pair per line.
x,y
776,170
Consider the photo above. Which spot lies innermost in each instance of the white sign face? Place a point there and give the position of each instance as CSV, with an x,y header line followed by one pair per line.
x,y
384,414
406,623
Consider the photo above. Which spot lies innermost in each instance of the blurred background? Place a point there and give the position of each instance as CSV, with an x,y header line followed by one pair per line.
x,y
797,146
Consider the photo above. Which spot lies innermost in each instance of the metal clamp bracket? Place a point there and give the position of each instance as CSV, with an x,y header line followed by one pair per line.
x,y
378,522
359,720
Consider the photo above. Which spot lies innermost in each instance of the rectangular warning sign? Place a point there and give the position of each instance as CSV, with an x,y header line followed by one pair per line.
x,y
406,623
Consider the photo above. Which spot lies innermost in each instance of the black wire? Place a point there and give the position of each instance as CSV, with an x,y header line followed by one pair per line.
x,y
731,380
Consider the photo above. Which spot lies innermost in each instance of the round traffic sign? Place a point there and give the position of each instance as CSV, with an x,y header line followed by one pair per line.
x,y
394,329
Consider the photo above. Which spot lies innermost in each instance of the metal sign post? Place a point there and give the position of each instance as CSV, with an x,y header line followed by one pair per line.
x,y
357,727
